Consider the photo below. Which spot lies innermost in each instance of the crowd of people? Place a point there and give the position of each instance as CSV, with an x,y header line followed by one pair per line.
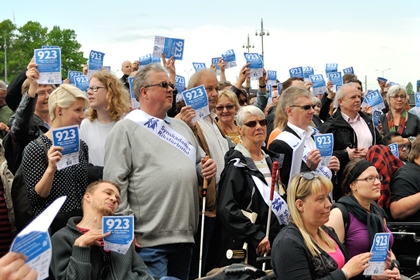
x,y
157,163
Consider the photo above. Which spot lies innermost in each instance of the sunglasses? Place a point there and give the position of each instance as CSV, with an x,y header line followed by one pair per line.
x,y
162,85
262,122
304,107
228,107
308,176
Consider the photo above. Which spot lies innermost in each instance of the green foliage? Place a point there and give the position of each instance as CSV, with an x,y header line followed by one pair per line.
x,y
33,36
409,88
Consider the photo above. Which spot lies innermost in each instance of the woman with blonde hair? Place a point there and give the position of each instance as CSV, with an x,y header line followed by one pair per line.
x,y
226,109
306,249
44,182
108,104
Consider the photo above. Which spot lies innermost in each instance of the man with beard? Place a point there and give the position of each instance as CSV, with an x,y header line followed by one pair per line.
x,y
77,249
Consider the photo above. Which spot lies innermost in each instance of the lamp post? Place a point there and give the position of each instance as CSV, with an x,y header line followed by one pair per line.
x,y
262,33
5,55
382,71
188,74
248,44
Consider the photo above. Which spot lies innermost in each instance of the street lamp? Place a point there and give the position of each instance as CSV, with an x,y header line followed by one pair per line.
x,y
383,71
262,33
248,44
5,55
188,74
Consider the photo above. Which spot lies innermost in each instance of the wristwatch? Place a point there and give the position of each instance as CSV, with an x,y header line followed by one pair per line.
x,y
394,263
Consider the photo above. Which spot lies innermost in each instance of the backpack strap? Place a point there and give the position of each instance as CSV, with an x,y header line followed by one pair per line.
x,y
345,213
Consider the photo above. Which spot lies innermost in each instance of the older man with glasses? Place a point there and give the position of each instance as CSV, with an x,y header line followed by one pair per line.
x,y
296,103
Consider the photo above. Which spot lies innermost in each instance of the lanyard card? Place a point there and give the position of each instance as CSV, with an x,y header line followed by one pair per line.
x,y
198,66
169,46
145,60
374,99
230,58
49,65
198,100
318,84
394,149
307,71
134,103
255,65
271,77
34,240
379,251
376,116
325,143
331,67
296,72
215,61
180,83
81,82
68,138
96,62
122,233
72,74
348,70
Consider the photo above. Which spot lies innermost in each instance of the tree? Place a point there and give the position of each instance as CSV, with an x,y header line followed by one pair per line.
x,y
33,36
409,88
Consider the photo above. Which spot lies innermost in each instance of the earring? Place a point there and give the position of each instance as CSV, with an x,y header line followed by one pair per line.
x,y
60,114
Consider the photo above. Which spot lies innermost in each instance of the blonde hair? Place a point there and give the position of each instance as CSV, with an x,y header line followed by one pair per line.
x,y
64,96
117,97
300,188
231,95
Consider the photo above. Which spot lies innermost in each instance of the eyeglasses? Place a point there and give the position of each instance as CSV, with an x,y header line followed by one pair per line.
x,y
162,84
228,107
94,88
308,176
304,107
43,93
262,122
399,96
371,179
242,102
402,146
275,97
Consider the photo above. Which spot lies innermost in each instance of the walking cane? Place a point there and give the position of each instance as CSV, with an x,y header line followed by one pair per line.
x,y
273,182
204,193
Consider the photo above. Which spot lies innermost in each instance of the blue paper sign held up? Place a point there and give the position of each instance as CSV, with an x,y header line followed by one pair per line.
x,y
198,66
272,76
49,65
81,82
122,228
180,83
255,65
215,62
198,100
72,74
417,97
376,115
230,58
96,61
145,60
325,143
331,67
348,70
296,72
67,138
379,251
307,71
394,149
335,78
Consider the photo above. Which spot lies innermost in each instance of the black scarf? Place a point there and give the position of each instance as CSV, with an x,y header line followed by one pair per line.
x,y
373,219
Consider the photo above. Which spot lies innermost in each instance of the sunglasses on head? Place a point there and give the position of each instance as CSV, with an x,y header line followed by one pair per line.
x,y
228,107
304,107
262,122
308,176
162,84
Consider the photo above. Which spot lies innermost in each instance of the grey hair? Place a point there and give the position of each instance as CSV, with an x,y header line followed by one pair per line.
x,y
341,92
244,111
196,77
142,78
3,85
392,91
288,97
316,100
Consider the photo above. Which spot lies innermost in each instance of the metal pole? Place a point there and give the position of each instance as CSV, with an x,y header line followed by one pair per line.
x,y
247,44
262,40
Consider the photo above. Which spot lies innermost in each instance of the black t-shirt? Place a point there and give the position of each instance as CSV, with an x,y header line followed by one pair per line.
x,y
406,182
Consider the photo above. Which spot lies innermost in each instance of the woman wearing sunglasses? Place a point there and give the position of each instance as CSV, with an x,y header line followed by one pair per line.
x,y
226,109
243,189
306,249
362,186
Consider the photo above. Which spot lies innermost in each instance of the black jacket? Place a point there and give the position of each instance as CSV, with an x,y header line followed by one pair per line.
x,y
344,137
237,192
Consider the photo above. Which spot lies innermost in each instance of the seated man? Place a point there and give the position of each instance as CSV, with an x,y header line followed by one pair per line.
x,y
405,188
77,249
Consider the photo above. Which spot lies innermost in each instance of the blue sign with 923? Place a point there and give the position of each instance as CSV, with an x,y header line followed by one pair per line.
x,y
296,72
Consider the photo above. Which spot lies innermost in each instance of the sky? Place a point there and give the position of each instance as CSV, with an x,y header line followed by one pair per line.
x,y
370,36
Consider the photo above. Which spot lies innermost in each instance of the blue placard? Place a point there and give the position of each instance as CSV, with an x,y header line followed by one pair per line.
x,y
255,65
145,60
72,74
96,60
394,149
134,103
198,66
81,82
325,143
32,245
393,84
67,138
374,99
348,70
174,47
307,71
379,251
49,65
376,116
215,61
417,97
230,58
180,83
296,72
380,79
122,228
318,84
331,67
279,85
198,100
335,78
272,76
